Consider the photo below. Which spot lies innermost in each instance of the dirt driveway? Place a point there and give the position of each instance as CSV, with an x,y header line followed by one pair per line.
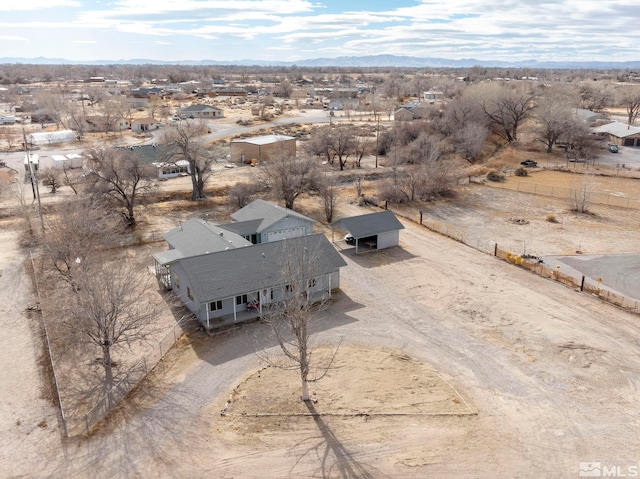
x,y
552,374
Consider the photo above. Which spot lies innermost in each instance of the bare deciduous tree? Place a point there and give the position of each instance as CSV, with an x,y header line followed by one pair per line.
x,y
243,193
506,107
121,175
470,140
553,116
581,194
291,316
78,232
289,177
111,310
184,143
328,189
51,177
592,96
629,97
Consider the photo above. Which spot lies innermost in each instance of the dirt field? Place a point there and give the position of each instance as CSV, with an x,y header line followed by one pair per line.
x,y
452,364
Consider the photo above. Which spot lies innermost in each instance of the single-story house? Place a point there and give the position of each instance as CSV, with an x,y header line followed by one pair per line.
x,y
373,231
591,118
262,148
343,104
194,237
264,222
432,96
157,156
103,124
51,137
618,133
411,111
229,91
232,286
201,111
144,124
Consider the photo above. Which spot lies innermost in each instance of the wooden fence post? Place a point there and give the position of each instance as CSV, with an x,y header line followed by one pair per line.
x,y
582,284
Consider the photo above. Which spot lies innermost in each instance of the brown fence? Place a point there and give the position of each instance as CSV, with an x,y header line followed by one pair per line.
x,y
578,282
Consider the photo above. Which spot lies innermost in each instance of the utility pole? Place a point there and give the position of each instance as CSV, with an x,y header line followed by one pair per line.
x,y
34,181
377,139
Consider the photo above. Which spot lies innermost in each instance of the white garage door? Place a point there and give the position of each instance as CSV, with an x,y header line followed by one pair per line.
x,y
284,234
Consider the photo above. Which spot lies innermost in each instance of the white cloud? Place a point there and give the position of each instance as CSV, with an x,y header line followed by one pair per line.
x,y
12,38
10,6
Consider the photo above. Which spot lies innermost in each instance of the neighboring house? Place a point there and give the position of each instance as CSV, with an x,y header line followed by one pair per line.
x,y
51,137
591,118
232,286
618,133
343,104
372,231
193,238
44,115
262,148
157,156
147,93
411,111
264,222
102,124
201,111
433,96
144,124
229,91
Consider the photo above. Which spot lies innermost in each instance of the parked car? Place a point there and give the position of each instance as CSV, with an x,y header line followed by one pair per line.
x,y
529,163
613,148
349,239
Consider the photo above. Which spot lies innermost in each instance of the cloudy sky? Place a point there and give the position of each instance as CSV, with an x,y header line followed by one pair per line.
x,y
291,30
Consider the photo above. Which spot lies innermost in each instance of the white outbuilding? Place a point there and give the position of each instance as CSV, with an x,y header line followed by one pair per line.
x,y
51,137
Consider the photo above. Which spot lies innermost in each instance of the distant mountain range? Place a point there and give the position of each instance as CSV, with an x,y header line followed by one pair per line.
x,y
352,61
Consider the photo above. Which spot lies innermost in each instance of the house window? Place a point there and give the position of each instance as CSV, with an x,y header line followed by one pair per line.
x,y
189,293
288,288
242,299
215,305
311,283
176,280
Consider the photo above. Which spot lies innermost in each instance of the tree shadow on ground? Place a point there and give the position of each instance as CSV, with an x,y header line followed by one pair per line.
x,y
336,461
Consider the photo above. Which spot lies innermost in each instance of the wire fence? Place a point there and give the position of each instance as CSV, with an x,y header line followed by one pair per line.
x,y
609,199
534,264
84,423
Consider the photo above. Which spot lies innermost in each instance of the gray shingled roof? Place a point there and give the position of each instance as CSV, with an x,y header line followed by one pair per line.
x,y
369,225
237,271
267,212
196,237
243,227
193,108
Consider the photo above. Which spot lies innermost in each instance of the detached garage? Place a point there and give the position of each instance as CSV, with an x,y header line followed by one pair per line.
x,y
373,231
